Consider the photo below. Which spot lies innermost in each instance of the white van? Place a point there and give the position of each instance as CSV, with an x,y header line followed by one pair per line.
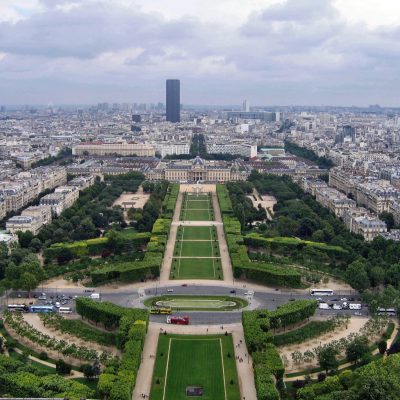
x,y
355,306
95,296
65,310
323,306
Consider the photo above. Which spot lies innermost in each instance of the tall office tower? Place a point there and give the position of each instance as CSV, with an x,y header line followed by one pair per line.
x,y
246,106
173,100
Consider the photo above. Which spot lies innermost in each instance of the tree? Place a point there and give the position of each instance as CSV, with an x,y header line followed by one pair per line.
x,y
356,349
382,346
357,276
64,255
327,359
35,244
87,370
62,367
388,218
28,282
25,238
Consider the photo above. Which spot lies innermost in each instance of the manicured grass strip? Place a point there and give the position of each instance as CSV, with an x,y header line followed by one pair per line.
x,y
197,215
197,205
306,332
197,233
196,268
197,249
202,300
204,361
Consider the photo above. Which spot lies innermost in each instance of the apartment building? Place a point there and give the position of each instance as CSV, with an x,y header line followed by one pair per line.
x,y
334,200
394,208
234,148
20,223
3,210
42,213
112,149
311,185
82,182
376,195
62,198
342,180
360,221
166,149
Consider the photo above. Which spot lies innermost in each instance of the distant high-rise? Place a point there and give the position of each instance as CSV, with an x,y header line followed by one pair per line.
x,y
246,106
173,100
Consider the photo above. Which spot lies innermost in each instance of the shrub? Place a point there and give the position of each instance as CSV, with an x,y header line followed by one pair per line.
x,y
43,355
63,368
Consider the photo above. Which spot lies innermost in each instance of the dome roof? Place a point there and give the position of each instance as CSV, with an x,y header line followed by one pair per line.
x,y
198,161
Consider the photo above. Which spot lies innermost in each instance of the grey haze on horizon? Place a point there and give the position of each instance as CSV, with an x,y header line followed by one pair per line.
x,y
309,52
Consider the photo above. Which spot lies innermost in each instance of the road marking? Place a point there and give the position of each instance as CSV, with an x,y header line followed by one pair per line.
x,y
223,366
166,371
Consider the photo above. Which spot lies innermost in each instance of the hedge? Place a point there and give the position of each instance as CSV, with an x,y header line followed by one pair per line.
x,y
224,200
265,384
170,199
267,273
97,246
285,245
270,359
256,329
132,325
292,312
306,332
26,384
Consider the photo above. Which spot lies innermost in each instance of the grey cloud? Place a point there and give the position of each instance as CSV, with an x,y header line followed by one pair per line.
x,y
89,30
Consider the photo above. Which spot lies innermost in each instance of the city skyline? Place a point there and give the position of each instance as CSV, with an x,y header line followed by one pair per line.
x,y
326,52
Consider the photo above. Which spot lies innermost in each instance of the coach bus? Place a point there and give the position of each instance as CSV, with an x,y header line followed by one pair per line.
x,y
160,310
387,311
42,309
18,307
321,292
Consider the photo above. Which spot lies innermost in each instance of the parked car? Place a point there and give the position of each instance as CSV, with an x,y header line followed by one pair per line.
x,y
233,291
170,290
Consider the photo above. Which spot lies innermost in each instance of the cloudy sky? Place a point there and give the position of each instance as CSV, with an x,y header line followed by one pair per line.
x,y
308,52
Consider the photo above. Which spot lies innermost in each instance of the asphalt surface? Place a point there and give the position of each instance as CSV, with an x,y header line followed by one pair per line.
x,y
258,300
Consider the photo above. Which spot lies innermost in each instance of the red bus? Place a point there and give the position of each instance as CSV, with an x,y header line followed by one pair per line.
x,y
178,320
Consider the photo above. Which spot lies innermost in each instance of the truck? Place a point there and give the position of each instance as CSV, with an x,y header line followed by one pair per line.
x,y
95,296
355,306
178,320
323,306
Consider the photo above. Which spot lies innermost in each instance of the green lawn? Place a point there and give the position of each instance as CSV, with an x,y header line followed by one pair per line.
x,y
204,361
197,215
196,268
197,204
189,248
197,233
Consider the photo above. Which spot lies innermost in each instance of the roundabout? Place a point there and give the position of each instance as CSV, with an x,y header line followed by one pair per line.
x,y
197,303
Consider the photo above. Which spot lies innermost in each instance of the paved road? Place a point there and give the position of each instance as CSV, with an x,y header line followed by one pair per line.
x,y
259,300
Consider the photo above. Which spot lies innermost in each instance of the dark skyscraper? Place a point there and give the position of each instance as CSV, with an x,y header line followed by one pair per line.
x,y
173,100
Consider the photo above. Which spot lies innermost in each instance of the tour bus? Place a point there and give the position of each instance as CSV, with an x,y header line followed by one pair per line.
x,y
65,310
42,309
178,320
387,311
18,307
321,292
160,310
